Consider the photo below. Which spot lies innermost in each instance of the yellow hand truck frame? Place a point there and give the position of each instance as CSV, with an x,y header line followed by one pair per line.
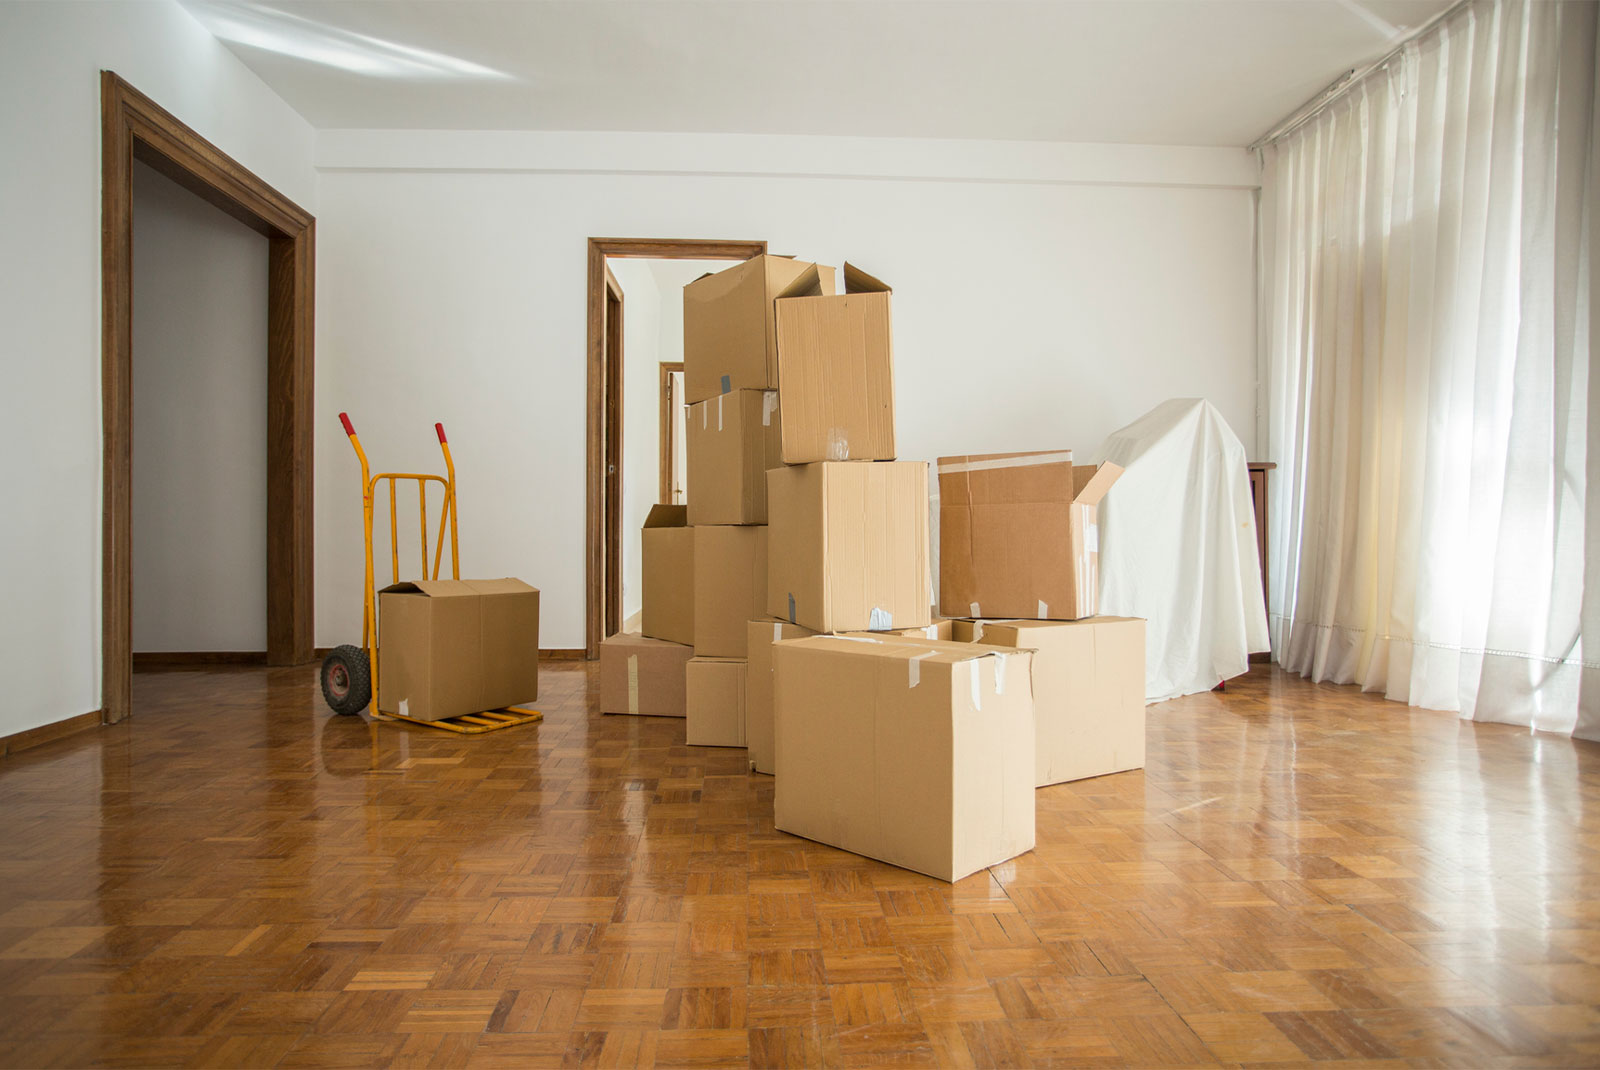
x,y
349,672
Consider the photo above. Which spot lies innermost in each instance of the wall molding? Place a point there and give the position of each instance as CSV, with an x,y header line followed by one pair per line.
x,y
784,157
48,733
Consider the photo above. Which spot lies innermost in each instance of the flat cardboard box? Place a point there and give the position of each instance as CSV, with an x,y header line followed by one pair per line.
x,y
730,587
730,331
732,440
449,647
916,753
849,545
642,676
667,556
762,634
715,702
836,369
1018,535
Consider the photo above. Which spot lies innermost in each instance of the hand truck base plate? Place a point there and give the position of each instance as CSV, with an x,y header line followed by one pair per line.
x,y
473,723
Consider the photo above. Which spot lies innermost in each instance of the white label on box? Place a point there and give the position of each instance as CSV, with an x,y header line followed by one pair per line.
x,y
769,405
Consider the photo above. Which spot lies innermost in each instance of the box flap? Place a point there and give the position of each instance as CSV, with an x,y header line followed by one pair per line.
x,y
667,516
907,648
857,281
432,588
1096,482
806,284
501,586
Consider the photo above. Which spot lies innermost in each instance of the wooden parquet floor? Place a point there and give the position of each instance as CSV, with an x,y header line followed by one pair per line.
x,y
1302,875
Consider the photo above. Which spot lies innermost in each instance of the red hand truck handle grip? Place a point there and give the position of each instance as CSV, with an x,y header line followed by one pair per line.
x,y
349,428
440,428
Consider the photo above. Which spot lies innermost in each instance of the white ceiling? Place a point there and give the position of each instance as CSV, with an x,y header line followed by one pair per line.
x,y
1182,72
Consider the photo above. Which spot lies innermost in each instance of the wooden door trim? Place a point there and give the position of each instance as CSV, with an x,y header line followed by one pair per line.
x,y
614,356
664,449
134,127
599,249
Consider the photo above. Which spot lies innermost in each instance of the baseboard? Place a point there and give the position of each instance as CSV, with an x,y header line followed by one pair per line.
x,y
196,659
553,654
46,733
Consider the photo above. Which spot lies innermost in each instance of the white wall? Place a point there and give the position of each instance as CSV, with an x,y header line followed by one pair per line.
x,y
641,341
199,423
1044,296
50,58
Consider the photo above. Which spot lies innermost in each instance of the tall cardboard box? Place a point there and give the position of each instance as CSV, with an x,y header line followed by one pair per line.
x,y
849,545
451,647
732,440
1088,692
667,564
643,676
730,587
758,728
715,702
1018,535
730,331
836,370
916,753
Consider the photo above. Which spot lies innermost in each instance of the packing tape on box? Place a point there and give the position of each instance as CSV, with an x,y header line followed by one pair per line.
x,y
879,620
838,444
1044,609
914,670
777,630
727,383
931,631
791,607
972,610
719,411
977,683
633,684
1091,537
1000,674
1063,457
705,417
769,405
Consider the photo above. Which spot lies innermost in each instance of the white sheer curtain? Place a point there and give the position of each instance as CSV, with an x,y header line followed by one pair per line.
x,y
1430,368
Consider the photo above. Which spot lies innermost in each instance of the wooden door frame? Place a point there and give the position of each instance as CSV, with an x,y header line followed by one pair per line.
x,y
664,449
612,481
596,546
134,127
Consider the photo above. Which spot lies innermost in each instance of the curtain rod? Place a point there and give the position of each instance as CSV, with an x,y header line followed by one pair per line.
x,y
1348,80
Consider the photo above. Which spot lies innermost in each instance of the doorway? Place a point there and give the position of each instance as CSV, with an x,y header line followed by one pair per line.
x,y
608,488
134,127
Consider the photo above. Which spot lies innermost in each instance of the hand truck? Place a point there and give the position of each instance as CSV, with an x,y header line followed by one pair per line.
x,y
350,672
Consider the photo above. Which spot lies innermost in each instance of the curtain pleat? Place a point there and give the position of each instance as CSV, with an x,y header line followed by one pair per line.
x,y
1429,360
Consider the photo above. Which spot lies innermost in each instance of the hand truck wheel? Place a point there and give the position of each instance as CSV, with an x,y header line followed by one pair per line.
x,y
347,679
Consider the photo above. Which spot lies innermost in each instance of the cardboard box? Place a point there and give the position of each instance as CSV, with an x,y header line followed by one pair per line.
x,y
730,332
732,440
667,556
730,587
941,628
450,647
836,369
849,549
916,753
1018,535
643,677
1088,692
758,731
715,702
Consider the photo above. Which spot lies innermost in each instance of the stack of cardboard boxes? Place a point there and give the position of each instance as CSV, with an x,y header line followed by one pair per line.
x,y
787,607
